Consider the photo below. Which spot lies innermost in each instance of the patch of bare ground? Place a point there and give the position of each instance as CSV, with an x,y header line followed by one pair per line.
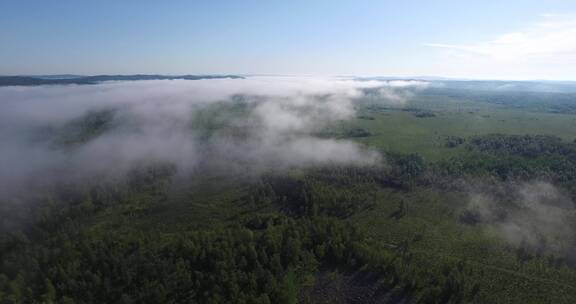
x,y
359,287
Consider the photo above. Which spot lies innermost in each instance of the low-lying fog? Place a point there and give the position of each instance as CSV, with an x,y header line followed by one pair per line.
x,y
256,121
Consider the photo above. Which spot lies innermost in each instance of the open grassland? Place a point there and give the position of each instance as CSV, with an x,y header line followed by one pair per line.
x,y
393,128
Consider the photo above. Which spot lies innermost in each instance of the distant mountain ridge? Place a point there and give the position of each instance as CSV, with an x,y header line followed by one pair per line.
x,y
71,79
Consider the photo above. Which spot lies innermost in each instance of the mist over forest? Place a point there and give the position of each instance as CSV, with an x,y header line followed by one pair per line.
x,y
108,128
419,166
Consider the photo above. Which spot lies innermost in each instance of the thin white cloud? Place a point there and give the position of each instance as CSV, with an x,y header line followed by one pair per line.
x,y
544,50
546,40
553,15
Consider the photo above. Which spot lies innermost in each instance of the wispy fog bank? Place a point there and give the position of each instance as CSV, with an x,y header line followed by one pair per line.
x,y
532,215
52,132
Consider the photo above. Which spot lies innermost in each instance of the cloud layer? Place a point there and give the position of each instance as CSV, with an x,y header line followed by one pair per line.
x,y
246,124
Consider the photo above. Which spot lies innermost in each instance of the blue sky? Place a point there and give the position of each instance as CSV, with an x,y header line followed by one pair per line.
x,y
520,39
